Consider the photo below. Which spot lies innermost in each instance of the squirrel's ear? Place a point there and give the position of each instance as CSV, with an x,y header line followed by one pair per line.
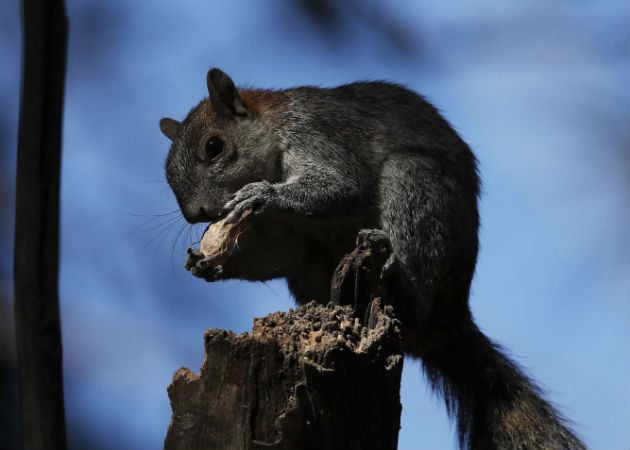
x,y
224,95
170,127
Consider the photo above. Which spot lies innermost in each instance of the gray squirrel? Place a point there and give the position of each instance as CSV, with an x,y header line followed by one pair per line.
x,y
319,166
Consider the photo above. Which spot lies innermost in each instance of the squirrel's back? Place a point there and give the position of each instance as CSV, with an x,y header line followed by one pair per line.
x,y
371,119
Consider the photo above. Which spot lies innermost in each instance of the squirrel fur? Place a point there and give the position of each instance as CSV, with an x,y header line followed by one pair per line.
x,y
320,165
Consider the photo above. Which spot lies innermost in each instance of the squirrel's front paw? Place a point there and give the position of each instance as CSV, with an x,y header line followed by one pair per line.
x,y
253,196
201,266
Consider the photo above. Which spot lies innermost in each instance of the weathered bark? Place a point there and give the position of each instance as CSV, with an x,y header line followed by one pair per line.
x,y
38,333
311,378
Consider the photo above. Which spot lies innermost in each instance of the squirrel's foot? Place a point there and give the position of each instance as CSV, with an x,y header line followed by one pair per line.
x,y
201,266
380,244
375,239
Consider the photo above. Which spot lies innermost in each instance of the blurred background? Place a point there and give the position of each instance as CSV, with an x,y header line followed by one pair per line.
x,y
540,90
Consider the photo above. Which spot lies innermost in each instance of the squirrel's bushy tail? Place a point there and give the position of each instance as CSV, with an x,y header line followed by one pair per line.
x,y
496,406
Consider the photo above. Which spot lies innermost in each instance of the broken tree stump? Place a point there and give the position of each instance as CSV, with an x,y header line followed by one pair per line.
x,y
310,378
317,377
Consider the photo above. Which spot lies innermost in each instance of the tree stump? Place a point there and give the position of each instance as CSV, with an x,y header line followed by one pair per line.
x,y
310,378
317,377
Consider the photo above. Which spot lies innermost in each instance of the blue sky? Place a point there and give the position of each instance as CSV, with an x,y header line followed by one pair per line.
x,y
540,91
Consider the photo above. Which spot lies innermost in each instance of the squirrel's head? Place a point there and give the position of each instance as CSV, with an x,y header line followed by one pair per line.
x,y
221,146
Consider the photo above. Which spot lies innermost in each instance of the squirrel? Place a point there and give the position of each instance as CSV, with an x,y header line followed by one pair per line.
x,y
320,166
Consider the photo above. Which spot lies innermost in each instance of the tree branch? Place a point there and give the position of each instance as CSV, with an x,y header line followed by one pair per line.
x,y
38,333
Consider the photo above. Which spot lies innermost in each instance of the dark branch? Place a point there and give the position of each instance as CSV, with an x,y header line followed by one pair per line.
x,y
38,333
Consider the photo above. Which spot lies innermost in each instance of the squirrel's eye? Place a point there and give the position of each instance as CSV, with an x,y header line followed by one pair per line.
x,y
214,146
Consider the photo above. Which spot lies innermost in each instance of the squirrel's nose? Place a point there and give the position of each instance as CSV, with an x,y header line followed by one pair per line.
x,y
197,213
